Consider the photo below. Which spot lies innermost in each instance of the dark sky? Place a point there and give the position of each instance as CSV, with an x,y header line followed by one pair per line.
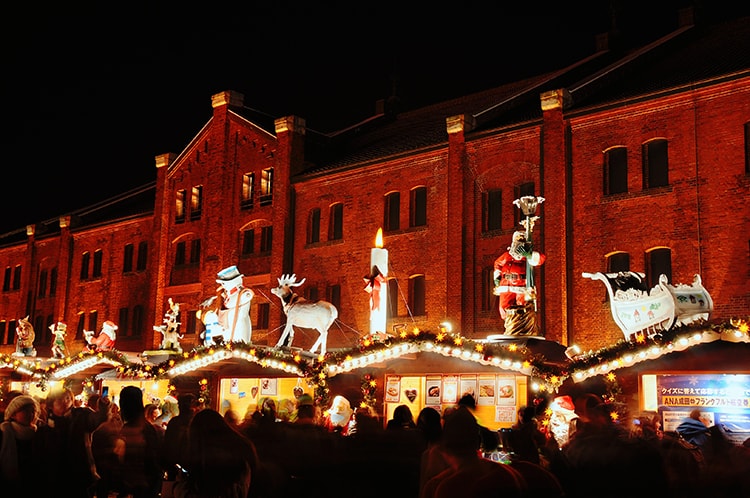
x,y
92,93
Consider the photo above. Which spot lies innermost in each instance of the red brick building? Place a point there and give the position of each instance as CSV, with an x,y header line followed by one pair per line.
x,y
642,156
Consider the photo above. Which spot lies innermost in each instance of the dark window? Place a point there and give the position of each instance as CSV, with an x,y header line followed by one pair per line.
x,y
492,210
6,279
195,251
48,330
263,313
140,264
658,261
392,298
196,202
137,320
81,326
655,164
40,336
97,271
266,187
85,262
179,216
246,196
266,239
127,258
192,323
391,212
333,295
53,282
418,207
17,277
12,331
523,190
179,253
616,171
122,324
336,226
42,283
248,242
3,329
311,293
313,226
489,299
417,295
617,262
93,321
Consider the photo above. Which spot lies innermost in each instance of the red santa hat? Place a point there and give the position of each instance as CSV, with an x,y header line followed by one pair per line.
x,y
565,402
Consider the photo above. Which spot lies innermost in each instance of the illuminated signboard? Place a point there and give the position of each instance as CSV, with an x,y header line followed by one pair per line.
x,y
723,399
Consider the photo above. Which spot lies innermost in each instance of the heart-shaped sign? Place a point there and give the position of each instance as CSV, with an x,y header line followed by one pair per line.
x,y
297,391
253,391
411,394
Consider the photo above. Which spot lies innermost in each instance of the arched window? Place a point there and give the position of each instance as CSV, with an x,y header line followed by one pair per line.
x,y
313,226
417,295
391,211
418,207
616,171
655,164
336,224
658,262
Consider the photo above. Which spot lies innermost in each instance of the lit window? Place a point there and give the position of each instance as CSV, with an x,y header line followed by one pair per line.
x,y
266,187
179,216
248,183
196,203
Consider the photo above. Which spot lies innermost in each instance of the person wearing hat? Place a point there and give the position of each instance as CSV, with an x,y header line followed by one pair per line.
x,y
234,312
17,432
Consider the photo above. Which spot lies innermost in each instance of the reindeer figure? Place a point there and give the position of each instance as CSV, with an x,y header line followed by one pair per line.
x,y
300,312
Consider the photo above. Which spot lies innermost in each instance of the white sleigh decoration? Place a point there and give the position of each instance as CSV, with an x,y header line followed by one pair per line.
x,y
637,310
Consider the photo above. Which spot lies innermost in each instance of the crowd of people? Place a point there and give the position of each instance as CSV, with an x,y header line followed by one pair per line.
x,y
52,447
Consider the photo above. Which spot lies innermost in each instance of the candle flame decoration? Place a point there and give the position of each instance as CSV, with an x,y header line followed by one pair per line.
x,y
379,291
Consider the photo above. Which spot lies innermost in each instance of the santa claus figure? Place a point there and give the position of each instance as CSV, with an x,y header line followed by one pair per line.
x,y
339,416
510,273
105,341
562,415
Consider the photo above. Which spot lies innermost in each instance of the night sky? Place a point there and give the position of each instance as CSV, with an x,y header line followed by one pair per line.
x,y
91,94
